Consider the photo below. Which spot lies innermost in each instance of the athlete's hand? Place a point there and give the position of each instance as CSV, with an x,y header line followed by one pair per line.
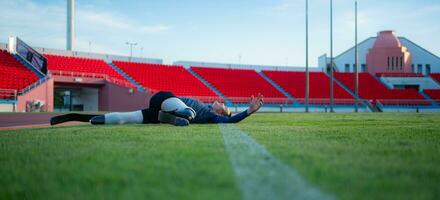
x,y
255,104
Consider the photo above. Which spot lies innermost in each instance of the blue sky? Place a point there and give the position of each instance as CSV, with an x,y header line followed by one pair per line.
x,y
266,32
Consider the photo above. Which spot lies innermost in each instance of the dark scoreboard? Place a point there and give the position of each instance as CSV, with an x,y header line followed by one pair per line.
x,y
32,56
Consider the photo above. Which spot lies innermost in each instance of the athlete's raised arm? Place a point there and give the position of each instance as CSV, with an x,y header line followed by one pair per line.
x,y
254,105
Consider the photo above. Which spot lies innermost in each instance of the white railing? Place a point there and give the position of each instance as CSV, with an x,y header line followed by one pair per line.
x,y
34,85
93,75
403,102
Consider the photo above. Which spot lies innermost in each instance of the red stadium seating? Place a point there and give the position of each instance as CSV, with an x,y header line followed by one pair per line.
x,y
176,79
371,89
434,94
13,74
294,84
239,84
436,77
90,68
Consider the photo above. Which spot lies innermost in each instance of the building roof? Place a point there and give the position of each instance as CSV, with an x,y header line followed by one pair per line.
x,y
387,39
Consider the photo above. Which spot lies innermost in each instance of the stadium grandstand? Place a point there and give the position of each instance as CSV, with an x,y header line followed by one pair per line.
x,y
294,83
87,67
159,77
250,82
63,80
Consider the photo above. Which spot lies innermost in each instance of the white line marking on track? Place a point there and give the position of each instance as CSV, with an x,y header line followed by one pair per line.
x,y
260,175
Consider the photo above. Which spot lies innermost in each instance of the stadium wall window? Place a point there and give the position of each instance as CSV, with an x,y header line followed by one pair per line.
x,y
392,63
364,68
428,69
412,68
354,67
388,63
347,67
419,68
401,63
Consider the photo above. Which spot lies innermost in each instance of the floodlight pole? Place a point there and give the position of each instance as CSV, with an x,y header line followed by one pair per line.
x,y
356,68
331,58
70,32
307,56
131,44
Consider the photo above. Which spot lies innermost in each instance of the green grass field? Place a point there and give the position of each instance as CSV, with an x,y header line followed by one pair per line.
x,y
351,156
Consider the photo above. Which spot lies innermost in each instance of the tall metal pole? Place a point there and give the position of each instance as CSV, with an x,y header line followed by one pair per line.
x,y
70,27
331,58
307,56
356,68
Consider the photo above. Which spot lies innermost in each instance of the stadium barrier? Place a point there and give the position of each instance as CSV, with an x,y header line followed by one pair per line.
x,y
93,75
326,101
402,102
34,85
8,94
392,74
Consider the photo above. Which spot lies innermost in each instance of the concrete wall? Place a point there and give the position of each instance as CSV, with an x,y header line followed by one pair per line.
x,y
421,56
113,97
106,57
6,107
43,92
188,64
348,57
422,82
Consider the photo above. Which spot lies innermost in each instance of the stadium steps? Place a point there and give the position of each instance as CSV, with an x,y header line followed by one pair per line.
x,y
129,78
227,101
290,97
380,81
29,66
435,80
371,107
345,87
427,97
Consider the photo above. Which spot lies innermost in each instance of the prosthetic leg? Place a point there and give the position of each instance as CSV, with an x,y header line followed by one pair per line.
x,y
71,117
111,118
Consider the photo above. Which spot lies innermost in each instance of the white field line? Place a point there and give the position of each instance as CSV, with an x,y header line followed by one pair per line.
x,y
259,175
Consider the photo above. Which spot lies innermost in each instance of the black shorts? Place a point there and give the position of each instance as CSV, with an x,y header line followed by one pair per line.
x,y
151,114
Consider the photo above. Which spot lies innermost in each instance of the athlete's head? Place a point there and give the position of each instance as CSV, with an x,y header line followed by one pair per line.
x,y
221,109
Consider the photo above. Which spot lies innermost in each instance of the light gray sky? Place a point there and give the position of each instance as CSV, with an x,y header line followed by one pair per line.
x,y
263,32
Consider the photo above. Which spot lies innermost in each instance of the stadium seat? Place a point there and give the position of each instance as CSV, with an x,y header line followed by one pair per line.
x,y
158,77
373,90
436,77
319,92
13,75
434,94
239,84
86,67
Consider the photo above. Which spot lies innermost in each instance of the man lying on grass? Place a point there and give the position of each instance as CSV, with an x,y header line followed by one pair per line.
x,y
165,107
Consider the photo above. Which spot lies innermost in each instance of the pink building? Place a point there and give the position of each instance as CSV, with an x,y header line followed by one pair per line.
x,y
388,55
